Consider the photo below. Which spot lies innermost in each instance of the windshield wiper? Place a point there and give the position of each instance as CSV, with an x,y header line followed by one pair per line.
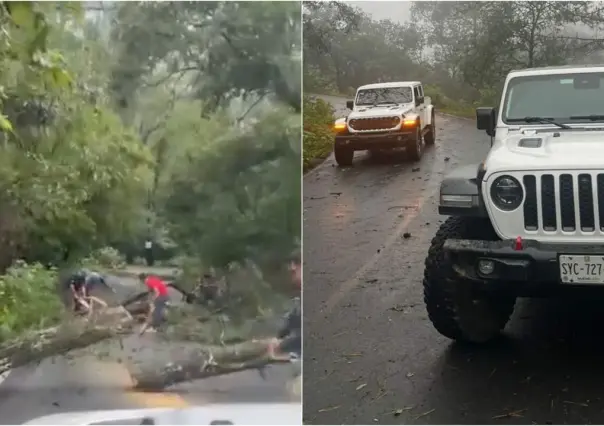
x,y
540,120
593,117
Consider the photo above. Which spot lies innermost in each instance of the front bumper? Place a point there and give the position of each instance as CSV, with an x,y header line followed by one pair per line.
x,y
381,140
533,267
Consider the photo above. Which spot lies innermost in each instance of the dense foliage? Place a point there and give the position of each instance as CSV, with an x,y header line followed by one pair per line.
x,y
175,121
460,50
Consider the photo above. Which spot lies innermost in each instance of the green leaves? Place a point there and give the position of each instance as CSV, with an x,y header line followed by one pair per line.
x,y
28,299
22,13
5,124
224,49
238,198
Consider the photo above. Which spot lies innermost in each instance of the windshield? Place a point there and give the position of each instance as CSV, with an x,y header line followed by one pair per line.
x,y
561,97
384,95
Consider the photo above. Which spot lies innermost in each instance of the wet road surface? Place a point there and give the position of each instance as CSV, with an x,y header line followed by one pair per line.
x,y
83,382
372,355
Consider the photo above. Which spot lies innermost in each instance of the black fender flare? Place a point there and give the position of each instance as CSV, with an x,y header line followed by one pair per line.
x,y
464,180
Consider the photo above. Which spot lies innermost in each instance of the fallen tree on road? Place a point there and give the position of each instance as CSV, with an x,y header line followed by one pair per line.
x,y
198,361
202,362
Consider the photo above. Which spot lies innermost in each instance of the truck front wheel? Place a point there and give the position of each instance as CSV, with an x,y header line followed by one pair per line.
x,y
344,155
430,136
415,147
457,309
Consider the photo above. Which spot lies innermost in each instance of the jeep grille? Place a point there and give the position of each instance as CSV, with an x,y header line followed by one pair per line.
x,y
564,202
374,123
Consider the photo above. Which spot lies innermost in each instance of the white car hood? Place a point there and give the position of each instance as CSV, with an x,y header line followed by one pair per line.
x,y
380,111
568,150
238,414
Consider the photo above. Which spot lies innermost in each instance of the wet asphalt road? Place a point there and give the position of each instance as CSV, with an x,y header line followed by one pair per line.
x,y
372,355
83,382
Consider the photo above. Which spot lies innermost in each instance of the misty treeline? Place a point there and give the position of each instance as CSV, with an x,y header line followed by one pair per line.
x,y
126,121
461,50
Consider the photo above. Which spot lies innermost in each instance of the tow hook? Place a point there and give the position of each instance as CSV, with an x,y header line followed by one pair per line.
x,y
518,245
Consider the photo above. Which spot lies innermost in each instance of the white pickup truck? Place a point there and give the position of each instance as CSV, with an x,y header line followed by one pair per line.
x,y
386,116
529,220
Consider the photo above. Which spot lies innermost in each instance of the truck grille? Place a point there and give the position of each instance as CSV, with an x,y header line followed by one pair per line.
x,y
373,123
566,202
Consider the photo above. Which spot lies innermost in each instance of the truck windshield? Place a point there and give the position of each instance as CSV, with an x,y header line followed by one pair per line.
x,y
384,95
570,98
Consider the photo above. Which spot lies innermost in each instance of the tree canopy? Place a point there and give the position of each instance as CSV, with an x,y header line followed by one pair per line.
x,y
461,50
175,121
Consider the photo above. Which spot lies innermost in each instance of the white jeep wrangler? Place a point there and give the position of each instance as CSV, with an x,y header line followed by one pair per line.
x,y
529,220
386,116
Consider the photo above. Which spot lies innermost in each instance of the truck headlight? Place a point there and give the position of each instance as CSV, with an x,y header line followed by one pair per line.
x,y
507,193
340,126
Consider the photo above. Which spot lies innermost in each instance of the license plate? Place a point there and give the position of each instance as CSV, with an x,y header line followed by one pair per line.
x,y
581,269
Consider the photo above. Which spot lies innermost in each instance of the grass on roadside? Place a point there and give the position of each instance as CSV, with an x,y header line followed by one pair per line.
x,y
318,132
458,110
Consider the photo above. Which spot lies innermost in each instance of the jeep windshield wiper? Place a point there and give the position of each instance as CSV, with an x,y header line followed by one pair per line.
x,y
540,120
593,117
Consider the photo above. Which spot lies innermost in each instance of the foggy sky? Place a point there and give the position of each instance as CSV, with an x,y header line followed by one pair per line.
x,y
399,11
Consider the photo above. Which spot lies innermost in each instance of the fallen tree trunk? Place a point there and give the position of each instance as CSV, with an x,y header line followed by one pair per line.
x,y
77,333
197,362
200,363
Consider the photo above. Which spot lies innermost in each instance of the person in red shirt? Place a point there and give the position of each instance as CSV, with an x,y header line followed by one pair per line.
x,y
158,303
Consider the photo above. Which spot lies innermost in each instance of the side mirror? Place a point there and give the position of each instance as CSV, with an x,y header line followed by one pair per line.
x,y
350,104
418,101
485,120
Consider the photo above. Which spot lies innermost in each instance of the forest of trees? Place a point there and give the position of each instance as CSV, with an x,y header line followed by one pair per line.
x,y
460,50
122,121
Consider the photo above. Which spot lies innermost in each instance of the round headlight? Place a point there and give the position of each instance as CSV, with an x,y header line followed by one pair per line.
x,y
507,193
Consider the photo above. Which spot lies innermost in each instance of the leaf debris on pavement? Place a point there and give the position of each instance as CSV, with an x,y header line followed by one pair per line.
x,y
400,411
516,413
333,407
419,416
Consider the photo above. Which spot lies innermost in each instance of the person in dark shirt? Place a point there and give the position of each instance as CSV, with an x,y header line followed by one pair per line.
x,y
80,283
158,304
291,332
76,286
289,338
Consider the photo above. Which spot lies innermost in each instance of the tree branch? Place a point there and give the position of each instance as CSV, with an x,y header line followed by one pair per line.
x,y
261,96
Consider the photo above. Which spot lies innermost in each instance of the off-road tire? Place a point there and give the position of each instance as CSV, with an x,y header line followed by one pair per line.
x,y
457,309
415,148
343,156
430,136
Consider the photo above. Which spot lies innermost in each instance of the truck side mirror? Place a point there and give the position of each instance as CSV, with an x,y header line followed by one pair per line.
x,y
418,101
485,120
350,104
